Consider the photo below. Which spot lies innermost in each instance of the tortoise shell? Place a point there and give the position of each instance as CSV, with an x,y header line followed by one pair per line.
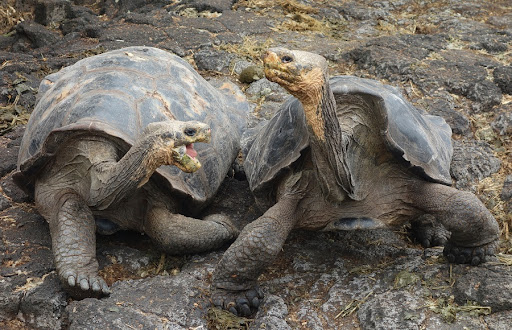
x,y
117,94
422,141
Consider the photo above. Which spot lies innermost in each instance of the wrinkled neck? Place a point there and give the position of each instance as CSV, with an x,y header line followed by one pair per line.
x,y
325,140
115,180
312,98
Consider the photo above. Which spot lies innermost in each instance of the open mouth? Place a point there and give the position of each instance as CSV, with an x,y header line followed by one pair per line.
x,y
185,158
191,151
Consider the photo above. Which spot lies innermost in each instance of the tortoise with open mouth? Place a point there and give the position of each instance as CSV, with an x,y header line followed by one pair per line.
x,y
345,153
110,146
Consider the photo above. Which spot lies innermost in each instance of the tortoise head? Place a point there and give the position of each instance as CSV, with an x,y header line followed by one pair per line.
x,y
175,142
303,74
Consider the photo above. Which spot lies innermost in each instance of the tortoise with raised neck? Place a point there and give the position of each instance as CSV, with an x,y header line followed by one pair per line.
x,y
343,154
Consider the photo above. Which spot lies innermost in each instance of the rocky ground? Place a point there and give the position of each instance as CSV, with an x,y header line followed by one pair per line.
x,y
448,57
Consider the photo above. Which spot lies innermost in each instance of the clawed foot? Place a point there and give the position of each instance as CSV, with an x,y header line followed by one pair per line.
x,y
83,285
240,303
469,255
428,232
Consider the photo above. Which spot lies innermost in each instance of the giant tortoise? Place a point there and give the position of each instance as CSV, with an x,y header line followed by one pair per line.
x,y
98,149
345,153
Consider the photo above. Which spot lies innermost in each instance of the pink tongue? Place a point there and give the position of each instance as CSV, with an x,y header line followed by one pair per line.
x,y
191,151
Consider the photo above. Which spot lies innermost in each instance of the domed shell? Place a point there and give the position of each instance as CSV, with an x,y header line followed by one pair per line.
x,y
117,94
423,141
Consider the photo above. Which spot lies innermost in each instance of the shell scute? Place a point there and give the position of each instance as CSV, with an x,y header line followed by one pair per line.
x,y
422,140
117,94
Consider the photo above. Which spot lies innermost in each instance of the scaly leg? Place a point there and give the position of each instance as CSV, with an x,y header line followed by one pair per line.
x,y
176,233
474,231
235,278
72,228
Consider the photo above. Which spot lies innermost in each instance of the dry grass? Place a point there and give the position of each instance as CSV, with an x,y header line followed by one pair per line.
x,y
301,22
448,309
352,307
505,259
12,115
160,265
297,16
490,188
13,325
289,6
220,319
250,48
10,16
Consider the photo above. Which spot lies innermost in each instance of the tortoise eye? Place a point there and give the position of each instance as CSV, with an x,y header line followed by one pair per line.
x,y
190,131
286,59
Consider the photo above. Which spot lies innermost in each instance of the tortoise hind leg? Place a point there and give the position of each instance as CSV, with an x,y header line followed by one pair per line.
x,y
176,233
474,231
72,228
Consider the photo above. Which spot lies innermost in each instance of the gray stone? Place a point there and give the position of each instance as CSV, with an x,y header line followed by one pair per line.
x,y
503,122
472,161
392,310
4,203
81,20
37,34
205,5
97,314
43,306
272,314
240,65
200,23
443,107
188,39
391,57
251,74
162,302
120,7
506,193
132,35
486,93
499,321
485,286
245,23
9,299
462,321
133,258
51,12
269,90
361,12
212,60
13,191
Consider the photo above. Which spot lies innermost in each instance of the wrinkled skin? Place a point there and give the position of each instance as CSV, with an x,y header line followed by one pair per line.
x,y
323,190
87,180
110,146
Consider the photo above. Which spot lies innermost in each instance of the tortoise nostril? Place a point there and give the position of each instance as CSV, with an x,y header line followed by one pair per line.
x,y
286,59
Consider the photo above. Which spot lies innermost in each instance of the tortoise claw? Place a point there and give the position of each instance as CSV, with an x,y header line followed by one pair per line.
x,y
429,233
469,255
239,303
84,285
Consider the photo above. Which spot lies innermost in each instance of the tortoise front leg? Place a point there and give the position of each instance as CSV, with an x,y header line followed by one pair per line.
x,y
176,233
474,231
72,228
234,286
